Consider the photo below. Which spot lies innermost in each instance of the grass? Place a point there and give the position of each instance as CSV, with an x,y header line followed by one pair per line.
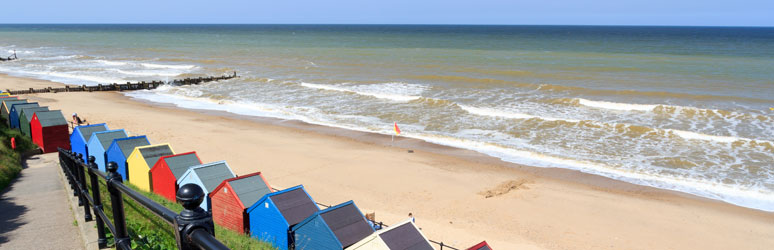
x,y
10,159
148,231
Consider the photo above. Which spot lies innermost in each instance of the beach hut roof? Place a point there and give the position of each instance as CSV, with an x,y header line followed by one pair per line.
x,y
29,111
405,236
249,188
480,246
151,154
88,130
51,118
128,144
24,105
9,103
295,204
178,164
106,137
212,174
347,223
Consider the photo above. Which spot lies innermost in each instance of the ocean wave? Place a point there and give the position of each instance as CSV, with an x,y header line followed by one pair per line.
x,y
743,195
510,115
753,197
634,130
396,91
167,66
111,63
146,73
616,106
691,112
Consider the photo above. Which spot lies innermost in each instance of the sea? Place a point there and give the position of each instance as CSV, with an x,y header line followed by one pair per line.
x,y
689,109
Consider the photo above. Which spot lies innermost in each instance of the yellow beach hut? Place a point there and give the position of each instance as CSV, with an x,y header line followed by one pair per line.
x,y
140,162
5,94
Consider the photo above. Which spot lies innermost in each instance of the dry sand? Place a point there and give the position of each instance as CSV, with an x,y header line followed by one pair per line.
x,y
457,196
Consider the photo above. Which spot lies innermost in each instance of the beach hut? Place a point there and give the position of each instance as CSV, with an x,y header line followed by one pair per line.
x,y
275,213
99,142
168,170
80,137
5,108
140,161
480,246
335,227
13,116
404,236
49,130
233,196
208,176
25,117
120,149
5,94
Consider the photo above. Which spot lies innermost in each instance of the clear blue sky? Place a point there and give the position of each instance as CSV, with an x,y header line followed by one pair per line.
x,y
574,12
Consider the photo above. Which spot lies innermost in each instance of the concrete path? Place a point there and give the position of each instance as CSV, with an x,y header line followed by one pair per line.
x,y
34,210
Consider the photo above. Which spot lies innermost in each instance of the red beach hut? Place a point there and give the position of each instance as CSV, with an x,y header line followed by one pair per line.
x,y
233,196
49,130
168,169
481,246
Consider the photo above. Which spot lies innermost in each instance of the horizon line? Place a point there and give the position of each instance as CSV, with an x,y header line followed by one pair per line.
x,y
411,24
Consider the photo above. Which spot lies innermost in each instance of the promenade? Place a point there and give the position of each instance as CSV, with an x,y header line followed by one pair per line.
x,y
34,211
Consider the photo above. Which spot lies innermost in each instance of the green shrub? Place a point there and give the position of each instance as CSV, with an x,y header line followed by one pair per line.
x,y
10,163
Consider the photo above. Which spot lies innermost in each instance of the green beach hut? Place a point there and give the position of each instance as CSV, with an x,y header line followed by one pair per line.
x,y
25,117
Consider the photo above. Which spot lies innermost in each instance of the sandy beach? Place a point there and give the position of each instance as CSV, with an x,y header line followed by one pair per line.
x,y
458,196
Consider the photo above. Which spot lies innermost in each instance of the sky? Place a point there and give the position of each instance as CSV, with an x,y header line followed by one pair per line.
x,y
549,12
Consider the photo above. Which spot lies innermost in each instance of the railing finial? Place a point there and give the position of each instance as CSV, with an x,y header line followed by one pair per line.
x,y
193,217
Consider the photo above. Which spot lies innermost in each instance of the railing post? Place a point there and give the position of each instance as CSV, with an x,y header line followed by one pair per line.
x,y
76,176
441,245
85,190
117,202
192,217
95,195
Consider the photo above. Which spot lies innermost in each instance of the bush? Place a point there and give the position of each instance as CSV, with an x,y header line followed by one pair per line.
x,y
10,159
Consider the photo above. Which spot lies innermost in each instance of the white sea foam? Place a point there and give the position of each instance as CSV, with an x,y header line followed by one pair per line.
x,y
111,63
616,106
147,73
509,115
167,66
398,91
681,133
752,197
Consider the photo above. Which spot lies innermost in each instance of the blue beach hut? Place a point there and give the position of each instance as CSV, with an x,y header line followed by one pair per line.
x,y
13,115
120,149
272,217
335,227
208,176
100,142
80,137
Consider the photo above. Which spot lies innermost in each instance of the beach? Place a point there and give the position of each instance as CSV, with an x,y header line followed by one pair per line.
x,y
458,196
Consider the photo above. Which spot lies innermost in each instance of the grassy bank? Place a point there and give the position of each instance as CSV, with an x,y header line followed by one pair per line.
x,y
148,231
10,161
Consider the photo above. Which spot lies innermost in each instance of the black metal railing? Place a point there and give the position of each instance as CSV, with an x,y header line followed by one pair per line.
x,y
193,227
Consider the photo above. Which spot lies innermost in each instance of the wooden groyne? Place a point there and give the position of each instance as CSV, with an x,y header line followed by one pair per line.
x,y
128,86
